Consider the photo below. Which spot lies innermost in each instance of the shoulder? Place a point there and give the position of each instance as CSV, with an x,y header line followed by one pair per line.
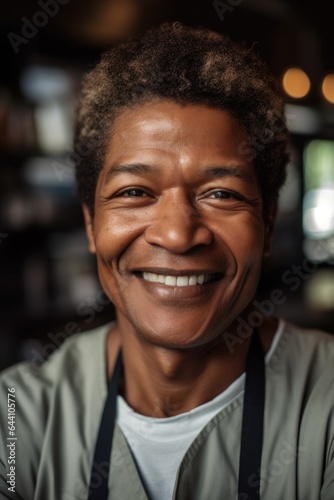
x,y
71,356
50,401
305,348
302,366
35,384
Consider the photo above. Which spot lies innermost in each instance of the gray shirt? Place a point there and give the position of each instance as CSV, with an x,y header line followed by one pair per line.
x,y
59,406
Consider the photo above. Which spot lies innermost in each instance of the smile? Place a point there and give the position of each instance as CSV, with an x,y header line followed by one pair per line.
x,y
181,281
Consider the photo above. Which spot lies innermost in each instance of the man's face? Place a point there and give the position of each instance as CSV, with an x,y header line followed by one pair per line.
x,y
178,229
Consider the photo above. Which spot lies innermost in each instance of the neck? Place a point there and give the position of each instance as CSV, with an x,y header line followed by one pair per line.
x,y
162,382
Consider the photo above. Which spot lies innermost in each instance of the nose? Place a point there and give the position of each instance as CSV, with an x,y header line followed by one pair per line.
x,y
177,226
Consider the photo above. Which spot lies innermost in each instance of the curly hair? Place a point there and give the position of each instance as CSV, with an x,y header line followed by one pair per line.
x,y
188,66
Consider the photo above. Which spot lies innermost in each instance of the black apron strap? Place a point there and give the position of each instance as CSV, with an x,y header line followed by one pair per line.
x,y
98,488
252,423
251,432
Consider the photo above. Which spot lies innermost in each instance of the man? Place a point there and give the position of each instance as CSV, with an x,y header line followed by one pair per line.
x,y
187,149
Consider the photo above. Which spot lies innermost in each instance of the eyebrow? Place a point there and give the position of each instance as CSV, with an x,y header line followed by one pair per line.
x,y
142,168
129,168
229,171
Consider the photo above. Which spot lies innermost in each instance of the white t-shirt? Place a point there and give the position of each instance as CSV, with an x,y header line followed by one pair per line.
x,y
159,444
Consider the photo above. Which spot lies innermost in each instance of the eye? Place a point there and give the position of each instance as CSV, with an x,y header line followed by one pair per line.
x,y
132,193
225,195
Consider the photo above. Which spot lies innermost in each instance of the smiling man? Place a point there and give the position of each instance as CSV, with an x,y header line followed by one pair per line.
x,y
187,152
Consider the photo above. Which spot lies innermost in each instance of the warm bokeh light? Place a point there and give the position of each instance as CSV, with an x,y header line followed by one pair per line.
x,y
319,290
328,88
296,83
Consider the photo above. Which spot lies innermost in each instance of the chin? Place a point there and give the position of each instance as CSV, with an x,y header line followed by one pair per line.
x,y
179,335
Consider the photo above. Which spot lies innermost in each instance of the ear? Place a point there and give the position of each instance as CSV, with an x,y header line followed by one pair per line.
x,y
269,220
89,228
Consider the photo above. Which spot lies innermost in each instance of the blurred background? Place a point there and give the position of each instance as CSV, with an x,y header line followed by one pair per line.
x,y
49,288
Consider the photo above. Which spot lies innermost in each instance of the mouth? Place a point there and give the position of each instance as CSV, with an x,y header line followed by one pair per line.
x,y
180,280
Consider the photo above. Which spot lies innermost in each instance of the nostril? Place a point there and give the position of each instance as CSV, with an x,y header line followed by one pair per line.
x,y
179,234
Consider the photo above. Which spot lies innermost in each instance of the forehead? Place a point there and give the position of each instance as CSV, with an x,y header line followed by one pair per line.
x,y
167,124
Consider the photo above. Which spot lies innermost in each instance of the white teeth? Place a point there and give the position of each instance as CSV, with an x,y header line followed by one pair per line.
x,y
153,277
170,280
176,280
192,280
182,281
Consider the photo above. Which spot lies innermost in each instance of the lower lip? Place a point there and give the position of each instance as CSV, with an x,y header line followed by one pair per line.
x,y
178,293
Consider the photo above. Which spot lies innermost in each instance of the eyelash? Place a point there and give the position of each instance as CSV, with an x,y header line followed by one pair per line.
x,y
225,194
124,193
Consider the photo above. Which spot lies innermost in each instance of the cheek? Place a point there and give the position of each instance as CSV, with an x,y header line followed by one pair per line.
x,y
244,238
111,240
246,251
250,245
113,235
250,259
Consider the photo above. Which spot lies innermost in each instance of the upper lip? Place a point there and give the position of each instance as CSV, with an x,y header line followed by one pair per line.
x,y
175,272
